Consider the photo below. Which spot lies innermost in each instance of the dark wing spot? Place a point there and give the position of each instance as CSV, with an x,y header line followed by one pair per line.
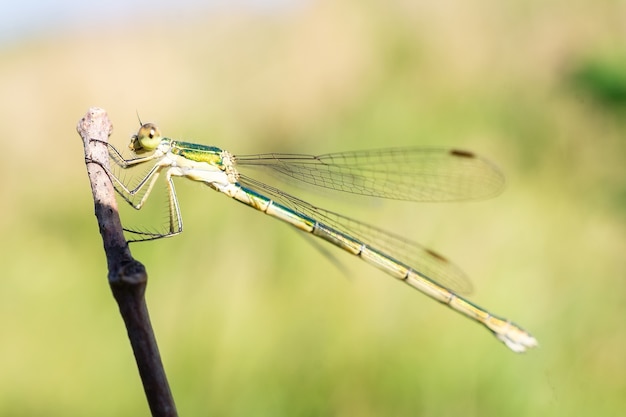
x,y
436,255
462,154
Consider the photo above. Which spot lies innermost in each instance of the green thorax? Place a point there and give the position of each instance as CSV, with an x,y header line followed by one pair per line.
x,y
196,152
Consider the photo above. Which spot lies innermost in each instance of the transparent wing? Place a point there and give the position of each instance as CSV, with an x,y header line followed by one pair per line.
x,y
413,174
421,259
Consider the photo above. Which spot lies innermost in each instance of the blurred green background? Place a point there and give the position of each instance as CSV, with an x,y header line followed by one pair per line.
x,y
251,319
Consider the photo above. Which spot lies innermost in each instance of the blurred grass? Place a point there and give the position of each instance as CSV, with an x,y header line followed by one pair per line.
x,y
250,318
603,79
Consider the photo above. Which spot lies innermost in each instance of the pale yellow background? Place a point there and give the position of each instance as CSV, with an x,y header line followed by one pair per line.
x,y
251,319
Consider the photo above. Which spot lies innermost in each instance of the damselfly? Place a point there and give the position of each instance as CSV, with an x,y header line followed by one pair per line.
x,y
413,174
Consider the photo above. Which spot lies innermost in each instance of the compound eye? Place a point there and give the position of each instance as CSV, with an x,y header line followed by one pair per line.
x,y
147,139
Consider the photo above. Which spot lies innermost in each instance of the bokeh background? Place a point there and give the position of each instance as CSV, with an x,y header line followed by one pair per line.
x,y
253,320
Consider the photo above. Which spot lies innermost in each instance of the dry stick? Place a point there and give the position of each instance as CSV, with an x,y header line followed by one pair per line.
x,y
127,277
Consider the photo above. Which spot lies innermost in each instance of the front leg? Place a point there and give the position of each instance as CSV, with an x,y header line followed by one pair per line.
x,y
117,157
145,185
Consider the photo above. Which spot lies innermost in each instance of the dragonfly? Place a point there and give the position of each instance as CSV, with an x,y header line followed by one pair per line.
x,y
410,174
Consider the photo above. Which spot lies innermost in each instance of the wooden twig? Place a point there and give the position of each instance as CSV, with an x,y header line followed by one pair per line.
x,y
127,277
